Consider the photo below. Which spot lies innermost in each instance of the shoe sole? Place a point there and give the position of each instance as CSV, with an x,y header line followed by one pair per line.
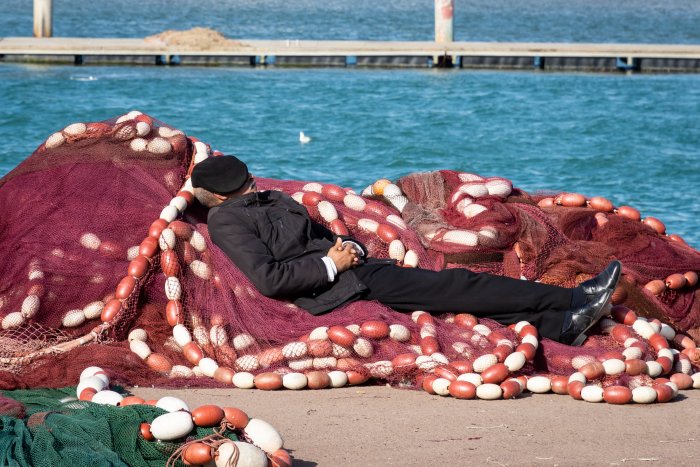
x,y
604,310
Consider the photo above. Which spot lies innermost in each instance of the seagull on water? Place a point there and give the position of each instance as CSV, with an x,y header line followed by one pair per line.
x,y
303,139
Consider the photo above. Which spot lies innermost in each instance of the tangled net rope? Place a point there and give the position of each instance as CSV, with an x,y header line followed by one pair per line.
x,y
108,262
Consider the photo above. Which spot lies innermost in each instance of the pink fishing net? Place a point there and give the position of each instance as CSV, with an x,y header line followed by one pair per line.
x,y
101,236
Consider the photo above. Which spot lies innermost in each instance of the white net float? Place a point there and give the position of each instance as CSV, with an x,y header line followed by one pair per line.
x,y
55,140
140,348
107,397
172,426
137,334
327,211
75,129
241,454
73,318
461,237
499,187
313,186
411,259
142,128
294,381
243,380
396,221
159,146
30,306
473,210
469,177
13,320
90,241
198,242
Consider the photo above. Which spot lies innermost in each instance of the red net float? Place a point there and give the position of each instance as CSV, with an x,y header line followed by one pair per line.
x,y
280,458
374,329
356,377
131,400
546,202
655,224
156,228
447,372
666,364
617,395
571,200
197,454
528,350
169,263
181,229
333,192
428,383
682,380
593,370
664,393
511,389
268,381
658,342
629,213
465,320
462,390
341,335
495,373
174,312
338,227
236,417
619,295
691,278
311,198
110,310
676,281
684,341
148,247
623,315
145,430
429,345
387,233
138,267
528,330
320,348
678,239
655,287
159,363
502,351
404,362
601,219
87,394
559,384
601,204
635,366
575,388
223,375
207,415
318,379
378,186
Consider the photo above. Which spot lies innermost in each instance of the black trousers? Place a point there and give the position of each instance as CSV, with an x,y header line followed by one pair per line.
x,y
502,299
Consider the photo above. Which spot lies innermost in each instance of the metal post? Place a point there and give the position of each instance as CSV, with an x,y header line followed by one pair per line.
x,y
444,15
43,18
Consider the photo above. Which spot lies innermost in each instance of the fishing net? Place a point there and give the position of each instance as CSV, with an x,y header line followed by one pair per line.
x,y
55,429
108,262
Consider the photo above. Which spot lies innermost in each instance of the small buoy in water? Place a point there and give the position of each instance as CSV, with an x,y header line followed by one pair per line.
x,y
303,139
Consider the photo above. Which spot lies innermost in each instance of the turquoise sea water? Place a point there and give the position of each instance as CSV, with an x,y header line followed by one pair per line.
x,y
632,138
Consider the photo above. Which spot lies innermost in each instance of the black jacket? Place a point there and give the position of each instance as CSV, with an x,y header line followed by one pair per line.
x,y
272,240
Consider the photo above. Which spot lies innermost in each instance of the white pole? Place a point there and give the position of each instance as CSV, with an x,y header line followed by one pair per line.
x,y
444,14
43,18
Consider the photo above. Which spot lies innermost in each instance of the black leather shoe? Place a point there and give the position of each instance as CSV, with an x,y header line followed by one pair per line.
x,y
607,279
579,320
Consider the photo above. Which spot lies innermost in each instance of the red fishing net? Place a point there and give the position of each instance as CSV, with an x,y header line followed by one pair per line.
x,y
106,252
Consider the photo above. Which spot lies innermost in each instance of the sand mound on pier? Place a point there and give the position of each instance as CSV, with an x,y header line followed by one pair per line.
x,y
197,38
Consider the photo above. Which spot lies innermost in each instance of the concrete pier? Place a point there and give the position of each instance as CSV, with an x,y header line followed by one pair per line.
x,y
301,53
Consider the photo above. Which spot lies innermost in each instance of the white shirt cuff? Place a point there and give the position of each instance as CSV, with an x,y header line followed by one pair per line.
x,y
330,268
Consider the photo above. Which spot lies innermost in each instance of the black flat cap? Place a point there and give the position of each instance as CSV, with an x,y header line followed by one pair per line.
x,y
220,174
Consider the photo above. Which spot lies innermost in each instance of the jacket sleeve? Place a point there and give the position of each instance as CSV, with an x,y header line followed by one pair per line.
x,y
239,239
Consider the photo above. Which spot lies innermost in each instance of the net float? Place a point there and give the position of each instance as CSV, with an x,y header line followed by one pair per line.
x,y
138,144
270,357
678,239
173,289
676,281
333,192
109,312
643,328
338,227
197,454
167,239
374,329
244,454
55,140
172,404
311,198
268,381
466,320
528,350
181,229
140,348
696,380
148,247
169,263
664,393
539,384
301,364
684,341
613,366
317,379
658,342
601,219
469,177
379,185
643,395
473,378
691,278
396,221
655,224
461,237
93,382
515,361
322,363
462,390
495,373
483,362
171,426
410,259
243,380
87,394
341,352
295,350
475,189
683,381
294,381
247,363
131,400
368,225
158,145
447,372
145,430
601,204
319,347
363,347
159,363
138,266
499,187
137,334
198,242
546,202
341,336
354,202
623,315
571,200
90,241
174,313
559,384
653,368
489,392
655,287
313,187
511,389
338,378
387,233
441,386
666,364
592,370
472,210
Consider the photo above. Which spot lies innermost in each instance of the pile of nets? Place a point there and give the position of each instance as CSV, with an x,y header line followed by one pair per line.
x,y
107,261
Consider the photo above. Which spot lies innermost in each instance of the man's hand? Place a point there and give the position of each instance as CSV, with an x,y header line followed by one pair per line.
x,y
344,257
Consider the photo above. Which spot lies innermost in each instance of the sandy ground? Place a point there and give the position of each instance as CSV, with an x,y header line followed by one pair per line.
x,y
377,426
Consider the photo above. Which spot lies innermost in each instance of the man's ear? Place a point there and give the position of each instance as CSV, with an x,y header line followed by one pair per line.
x,y
220,197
